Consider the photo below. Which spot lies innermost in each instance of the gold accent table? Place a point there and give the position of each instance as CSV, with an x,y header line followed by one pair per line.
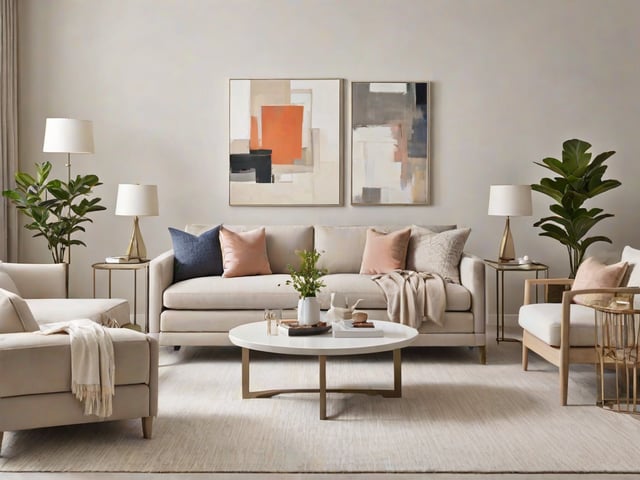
x,y
616,340
131,267
501,268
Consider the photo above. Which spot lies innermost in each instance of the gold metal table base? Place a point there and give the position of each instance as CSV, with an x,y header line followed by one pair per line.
x,y
322,390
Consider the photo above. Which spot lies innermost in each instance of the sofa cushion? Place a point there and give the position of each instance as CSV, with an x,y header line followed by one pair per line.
x,y
7,283
384,252
224,293
282,242
244,253
23,367
437,252
593,274
196,255
342,246
543,321
15,315
48,310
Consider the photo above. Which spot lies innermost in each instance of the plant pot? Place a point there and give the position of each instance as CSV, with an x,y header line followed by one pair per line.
x,y
308,311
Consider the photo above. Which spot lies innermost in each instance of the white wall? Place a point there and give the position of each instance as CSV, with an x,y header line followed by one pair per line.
x,y
511,80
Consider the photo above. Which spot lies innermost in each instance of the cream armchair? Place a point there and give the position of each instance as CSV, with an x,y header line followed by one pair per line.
x,y
564,333
35,369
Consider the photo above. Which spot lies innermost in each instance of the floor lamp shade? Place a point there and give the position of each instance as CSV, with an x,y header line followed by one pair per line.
x,y
67,135
509,201
137,201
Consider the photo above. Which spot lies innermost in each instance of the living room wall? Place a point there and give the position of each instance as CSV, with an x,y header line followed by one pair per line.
x,y
511,80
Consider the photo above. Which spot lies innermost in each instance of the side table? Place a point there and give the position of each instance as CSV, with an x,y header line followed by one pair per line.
x,y
501,268
131,267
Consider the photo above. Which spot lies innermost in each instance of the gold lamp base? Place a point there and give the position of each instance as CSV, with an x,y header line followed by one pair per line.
x,y
137,249
507,250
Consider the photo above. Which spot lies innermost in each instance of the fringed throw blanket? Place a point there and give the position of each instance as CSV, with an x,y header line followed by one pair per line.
x,y
413,296
92,364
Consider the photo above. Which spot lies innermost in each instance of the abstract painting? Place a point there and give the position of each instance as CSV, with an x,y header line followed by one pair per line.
x,y
285,142
390,143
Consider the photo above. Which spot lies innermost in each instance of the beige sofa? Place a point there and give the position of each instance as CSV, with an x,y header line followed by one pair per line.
x,y
35,369
201,311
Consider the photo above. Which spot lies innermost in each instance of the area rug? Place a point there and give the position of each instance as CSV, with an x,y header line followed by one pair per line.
x,y
455,415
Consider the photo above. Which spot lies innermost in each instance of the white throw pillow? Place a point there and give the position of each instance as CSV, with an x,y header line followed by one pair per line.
x,y
437,252
15,314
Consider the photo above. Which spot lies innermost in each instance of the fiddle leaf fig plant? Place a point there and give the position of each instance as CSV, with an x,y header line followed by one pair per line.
x,y
57,209
579,178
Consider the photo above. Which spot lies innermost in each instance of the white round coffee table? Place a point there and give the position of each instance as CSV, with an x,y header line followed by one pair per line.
x,y
253,336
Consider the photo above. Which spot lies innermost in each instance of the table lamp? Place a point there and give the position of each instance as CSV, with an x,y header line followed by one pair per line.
x,y
135,201
509,201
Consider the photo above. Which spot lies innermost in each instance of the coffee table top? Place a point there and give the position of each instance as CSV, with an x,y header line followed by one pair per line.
x,y
254,337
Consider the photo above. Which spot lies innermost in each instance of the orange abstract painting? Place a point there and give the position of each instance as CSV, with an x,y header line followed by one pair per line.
x,y
282,132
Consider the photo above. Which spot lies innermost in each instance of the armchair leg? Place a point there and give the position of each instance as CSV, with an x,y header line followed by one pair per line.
x,y
525,358
1,434
564,383
147,427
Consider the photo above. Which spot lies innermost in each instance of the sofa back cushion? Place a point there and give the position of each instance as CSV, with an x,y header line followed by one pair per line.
x,y
341,247
282,242
15,315
7,283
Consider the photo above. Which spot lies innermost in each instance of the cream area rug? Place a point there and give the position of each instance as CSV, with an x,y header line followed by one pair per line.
x,y
455,416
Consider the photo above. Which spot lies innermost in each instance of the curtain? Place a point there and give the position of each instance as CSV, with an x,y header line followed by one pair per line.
x,y
8,126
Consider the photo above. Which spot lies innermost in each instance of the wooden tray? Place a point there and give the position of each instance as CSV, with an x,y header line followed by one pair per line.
x,y
291,328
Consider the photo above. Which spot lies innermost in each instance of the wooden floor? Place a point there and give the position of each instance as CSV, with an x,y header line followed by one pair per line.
x,y
362,476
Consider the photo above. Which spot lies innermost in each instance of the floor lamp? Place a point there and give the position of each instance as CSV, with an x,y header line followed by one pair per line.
x,y
509,201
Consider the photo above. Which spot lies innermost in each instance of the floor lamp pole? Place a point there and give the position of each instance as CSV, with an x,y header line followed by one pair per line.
x,y
69,214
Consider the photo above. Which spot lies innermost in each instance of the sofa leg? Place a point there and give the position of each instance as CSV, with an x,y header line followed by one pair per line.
x,y
1,434
147,427
176,348
482,350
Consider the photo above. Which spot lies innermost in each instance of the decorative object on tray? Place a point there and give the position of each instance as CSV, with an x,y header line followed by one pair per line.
x,y
307,282
337,313
273,319
293,329
579,178
353,329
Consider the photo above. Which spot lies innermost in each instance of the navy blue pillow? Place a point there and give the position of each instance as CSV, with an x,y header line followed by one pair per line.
x,y
196,255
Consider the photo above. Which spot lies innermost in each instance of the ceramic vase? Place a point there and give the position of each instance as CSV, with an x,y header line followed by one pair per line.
x,y
308,311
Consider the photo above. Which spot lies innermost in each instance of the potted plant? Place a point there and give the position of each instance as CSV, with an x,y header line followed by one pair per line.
x,y
307,282
57,209
579,178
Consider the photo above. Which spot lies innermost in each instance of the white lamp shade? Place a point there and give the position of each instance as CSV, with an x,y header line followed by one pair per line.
x,y
510,200
135,200
67,135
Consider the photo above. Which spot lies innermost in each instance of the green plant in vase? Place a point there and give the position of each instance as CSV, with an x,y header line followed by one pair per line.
x,y
307,281
57,209
579,178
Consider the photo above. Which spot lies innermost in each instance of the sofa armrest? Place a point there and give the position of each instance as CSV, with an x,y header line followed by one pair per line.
x,y
160,277
38,280
472,278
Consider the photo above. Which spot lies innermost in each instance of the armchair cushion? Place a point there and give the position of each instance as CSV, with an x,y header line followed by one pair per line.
x,y
593,274
15,315
543,320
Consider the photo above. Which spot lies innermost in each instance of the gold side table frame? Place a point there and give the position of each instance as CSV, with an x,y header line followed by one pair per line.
x,y
322,390
501,268
134,267
616,338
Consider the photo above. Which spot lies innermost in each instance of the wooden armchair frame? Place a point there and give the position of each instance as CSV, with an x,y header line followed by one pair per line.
x,y
565,354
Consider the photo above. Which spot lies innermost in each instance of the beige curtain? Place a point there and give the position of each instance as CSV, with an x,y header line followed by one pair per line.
x,y
8,126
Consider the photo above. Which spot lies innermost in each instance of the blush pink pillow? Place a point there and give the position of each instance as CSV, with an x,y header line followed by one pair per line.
x,y
593,274
244,253
385,252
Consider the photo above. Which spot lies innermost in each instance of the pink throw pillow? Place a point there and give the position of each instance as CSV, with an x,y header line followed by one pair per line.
x,y
593,274
385,252
244,253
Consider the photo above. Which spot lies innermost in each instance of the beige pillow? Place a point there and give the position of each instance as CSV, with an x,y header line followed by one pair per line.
x,y
15,314
7,283
244,253
593,274
438,253
385,252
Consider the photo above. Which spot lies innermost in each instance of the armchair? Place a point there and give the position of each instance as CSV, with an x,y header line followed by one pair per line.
x,y
564,333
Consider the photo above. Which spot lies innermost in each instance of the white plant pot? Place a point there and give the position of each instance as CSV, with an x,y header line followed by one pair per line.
x,y
308,311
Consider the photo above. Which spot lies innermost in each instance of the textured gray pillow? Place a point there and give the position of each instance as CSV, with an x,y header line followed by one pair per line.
x,y
437,252
15,314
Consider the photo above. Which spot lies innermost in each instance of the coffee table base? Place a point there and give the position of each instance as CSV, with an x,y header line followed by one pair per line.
x,y
395,392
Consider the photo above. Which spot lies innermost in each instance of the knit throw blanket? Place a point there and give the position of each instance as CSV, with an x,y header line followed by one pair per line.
x,y
413,296
92,364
